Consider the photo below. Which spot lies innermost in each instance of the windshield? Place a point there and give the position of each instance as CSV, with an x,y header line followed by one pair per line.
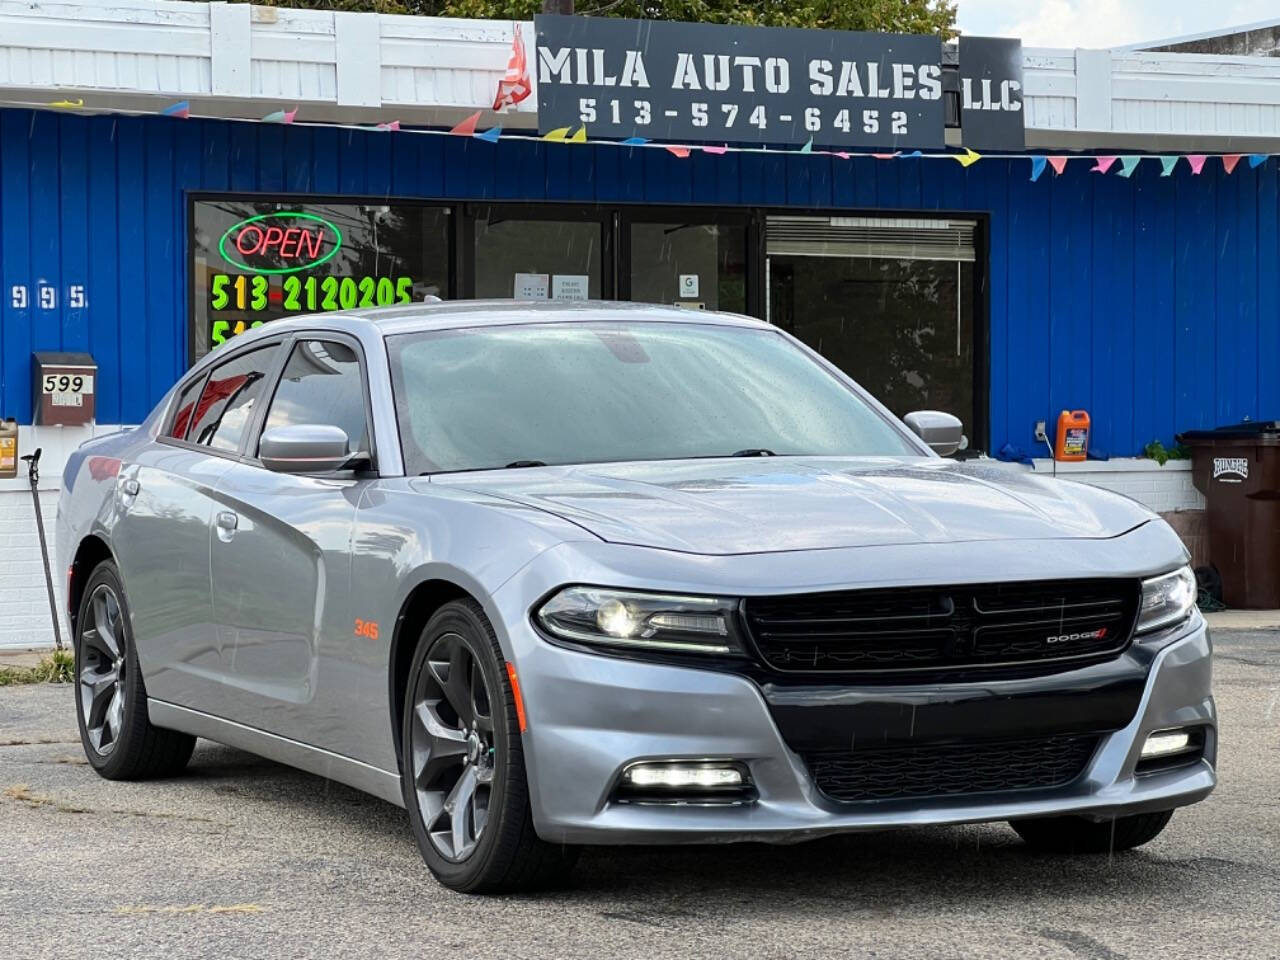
x,y
528,395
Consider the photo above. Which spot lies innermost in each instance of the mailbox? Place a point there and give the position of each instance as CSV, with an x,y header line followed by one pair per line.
x,y
64,388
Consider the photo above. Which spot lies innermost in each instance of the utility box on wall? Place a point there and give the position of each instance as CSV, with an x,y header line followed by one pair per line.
x,y
64,388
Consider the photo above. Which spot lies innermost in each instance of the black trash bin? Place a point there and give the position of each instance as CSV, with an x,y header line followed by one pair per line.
x,y
1237,468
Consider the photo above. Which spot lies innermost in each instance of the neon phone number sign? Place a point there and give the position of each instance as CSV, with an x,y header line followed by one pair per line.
x,y
277,243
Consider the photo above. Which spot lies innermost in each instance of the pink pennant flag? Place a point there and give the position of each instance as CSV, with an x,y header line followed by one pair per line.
x,y
393,125
1229,161
1058,163
842,155
716,150
468,126
680,152
886,156
1103,164
1197,163
281,116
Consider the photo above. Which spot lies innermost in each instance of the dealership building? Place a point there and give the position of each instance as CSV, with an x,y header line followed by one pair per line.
x,y
172,173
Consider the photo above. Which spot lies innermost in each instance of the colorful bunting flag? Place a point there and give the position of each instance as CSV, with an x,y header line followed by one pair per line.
x,y
1197,163
680,152
641,141
1229,161
514,85
1059,164
913,154
842,155
1037,168
67,104
579,136
491,135
391,127
886,156
1256,160
718,151
1103,164
968,158
467,127
808,146
1128,165
181,110
281,116
1167,164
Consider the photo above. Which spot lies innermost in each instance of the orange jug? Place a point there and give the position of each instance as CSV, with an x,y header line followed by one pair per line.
x,y
1073,435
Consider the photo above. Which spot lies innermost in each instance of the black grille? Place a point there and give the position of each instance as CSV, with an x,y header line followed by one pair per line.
x,y
920,771
943,628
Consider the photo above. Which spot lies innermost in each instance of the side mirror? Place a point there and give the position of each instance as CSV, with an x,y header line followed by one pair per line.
x,y
304,448
941,431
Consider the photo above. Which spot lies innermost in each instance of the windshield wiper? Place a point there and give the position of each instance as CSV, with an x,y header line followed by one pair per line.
x,y
525,463
755,452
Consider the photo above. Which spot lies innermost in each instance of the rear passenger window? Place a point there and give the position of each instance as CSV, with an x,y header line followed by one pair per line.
x,y
186,406
227,403
321,383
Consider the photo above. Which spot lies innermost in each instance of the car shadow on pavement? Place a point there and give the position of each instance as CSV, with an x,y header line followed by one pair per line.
x,y
876,873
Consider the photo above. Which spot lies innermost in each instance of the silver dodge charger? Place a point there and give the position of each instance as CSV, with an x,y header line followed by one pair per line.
x,y
550,575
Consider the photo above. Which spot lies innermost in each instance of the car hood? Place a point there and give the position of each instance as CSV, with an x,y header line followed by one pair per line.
x,y
767,504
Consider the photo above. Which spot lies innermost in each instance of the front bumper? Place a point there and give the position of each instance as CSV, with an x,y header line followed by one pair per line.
x,y
589,716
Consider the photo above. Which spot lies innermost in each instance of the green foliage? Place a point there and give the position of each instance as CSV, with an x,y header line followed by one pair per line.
x,y
893,16
57,668
1155,450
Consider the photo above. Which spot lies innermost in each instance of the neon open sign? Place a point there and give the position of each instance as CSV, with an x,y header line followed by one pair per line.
x,y
284,242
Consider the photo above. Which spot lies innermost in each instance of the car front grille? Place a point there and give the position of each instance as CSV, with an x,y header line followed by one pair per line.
x,y
943,628
914,772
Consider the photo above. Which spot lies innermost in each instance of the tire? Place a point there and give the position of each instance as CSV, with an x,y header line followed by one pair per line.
x,y
1078,835
111,697
491,846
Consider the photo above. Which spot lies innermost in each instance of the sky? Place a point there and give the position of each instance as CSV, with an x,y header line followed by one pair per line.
x,y
1105,23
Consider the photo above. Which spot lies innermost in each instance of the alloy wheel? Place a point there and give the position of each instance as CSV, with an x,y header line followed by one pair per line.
x,y
102,669
453,747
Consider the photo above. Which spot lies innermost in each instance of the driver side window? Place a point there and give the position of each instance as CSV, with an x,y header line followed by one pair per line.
x,y
321,384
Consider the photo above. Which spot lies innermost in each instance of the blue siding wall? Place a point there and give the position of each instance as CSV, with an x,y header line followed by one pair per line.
x,y
1152,302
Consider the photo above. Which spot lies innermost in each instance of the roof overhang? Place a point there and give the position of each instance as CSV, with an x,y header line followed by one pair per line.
x,y
242,62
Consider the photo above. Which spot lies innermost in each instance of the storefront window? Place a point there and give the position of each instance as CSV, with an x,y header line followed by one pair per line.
x,y
537,259
257,260
696,265
891,302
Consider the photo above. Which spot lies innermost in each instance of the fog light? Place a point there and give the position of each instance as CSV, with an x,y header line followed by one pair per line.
x,y
684,776
1166,743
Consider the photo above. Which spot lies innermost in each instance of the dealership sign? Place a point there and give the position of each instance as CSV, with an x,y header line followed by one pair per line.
x,y
712,83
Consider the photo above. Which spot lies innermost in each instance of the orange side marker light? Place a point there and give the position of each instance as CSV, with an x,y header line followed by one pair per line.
x,y
515,692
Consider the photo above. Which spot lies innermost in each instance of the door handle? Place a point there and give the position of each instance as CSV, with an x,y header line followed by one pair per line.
x,y
131,487
226,520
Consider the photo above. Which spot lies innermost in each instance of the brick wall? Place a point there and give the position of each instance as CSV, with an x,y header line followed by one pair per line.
x,y
1164,489
24,602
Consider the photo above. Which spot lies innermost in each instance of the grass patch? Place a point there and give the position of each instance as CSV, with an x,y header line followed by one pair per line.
x,y
59,667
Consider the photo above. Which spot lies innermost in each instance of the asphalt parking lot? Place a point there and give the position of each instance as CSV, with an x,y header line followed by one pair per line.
x,y
244,858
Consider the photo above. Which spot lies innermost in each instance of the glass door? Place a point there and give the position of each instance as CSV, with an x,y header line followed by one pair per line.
x,y
890,301
688,258
540,252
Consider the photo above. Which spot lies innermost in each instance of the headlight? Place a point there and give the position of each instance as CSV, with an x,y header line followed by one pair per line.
x,y
1167,600
648,621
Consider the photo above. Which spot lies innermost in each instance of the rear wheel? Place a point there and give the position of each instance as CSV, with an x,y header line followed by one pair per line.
x,y
111,698
464,777
1078,835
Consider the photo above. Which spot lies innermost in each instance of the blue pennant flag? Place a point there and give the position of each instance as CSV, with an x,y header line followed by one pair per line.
x,y
1037,167
491,135
634,142
1256,160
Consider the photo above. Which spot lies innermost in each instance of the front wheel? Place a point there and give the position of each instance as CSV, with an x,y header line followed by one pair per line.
x,y
464,777
1078,835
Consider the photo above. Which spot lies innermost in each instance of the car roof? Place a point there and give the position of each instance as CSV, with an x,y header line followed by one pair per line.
x,y
455,314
